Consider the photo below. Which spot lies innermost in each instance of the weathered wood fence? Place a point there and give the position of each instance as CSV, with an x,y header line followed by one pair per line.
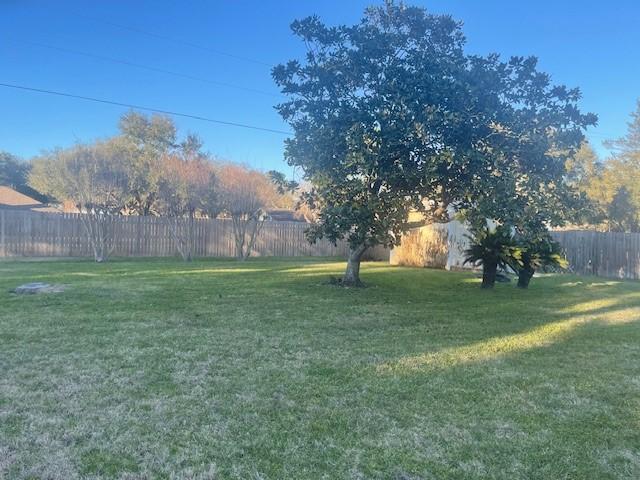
x,y
606,254
33,234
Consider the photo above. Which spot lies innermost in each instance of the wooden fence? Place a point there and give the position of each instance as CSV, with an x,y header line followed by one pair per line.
x,y
606,254
32,234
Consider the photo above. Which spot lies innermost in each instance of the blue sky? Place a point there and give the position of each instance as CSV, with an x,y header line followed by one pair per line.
x,y
584,43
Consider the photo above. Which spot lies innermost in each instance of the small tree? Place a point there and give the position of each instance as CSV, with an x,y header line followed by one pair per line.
x,y
245,195
493,249
91,177
535,254
186,189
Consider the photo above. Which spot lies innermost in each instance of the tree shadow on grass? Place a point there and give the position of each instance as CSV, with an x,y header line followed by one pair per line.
x,y
603,312
461,323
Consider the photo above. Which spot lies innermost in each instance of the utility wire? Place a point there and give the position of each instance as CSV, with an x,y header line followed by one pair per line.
x,y
140,107
601,135
172,39
145,67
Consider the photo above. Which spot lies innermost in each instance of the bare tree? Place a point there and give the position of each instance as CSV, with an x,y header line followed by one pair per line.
x,y
245,195
93,178
186,191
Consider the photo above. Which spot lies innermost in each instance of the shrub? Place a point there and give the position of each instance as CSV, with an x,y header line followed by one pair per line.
x,y
535,254
493,249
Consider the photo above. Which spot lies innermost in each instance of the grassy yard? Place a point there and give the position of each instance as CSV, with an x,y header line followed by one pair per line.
x,y
216,369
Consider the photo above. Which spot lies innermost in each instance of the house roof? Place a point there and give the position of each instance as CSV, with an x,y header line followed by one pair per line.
x,y
284,215
12,198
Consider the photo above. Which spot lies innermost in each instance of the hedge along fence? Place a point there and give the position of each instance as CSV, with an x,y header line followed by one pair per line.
x,y
34,234
605,254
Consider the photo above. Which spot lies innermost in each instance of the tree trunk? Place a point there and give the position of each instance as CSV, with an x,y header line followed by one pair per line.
x,y
239,230
98,229
489,272
351,276
254,234
524,277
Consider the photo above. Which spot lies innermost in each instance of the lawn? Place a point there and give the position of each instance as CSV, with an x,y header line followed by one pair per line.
x,y
263,370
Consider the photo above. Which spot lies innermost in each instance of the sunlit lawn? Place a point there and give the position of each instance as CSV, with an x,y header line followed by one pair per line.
x,y
262,370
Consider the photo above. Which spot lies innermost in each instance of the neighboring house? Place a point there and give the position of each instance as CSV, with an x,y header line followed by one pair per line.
x,y
14,200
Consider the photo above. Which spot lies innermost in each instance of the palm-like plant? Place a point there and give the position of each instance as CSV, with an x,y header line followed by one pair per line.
x,y
535,254
493,249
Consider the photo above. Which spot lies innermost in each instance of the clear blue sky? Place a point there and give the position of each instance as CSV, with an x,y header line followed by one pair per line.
x,y
590,44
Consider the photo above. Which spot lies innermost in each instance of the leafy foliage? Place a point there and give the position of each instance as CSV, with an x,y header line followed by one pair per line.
x,y
524,185
373,109
143,143
495,245
622,214
146,171
13,172
542,253
93,177
283,185
493,249
538,253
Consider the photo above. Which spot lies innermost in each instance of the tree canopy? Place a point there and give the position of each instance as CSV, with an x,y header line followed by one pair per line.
x,y
612,185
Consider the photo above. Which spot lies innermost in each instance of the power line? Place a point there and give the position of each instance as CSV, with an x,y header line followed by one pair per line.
x,y
172,39
146,67
140,107
601,135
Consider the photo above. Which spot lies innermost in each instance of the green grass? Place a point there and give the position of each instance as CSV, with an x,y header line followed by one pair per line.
x,y
261,370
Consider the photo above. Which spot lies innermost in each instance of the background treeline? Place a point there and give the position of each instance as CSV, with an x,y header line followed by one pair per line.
x,y
612,184
148,169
